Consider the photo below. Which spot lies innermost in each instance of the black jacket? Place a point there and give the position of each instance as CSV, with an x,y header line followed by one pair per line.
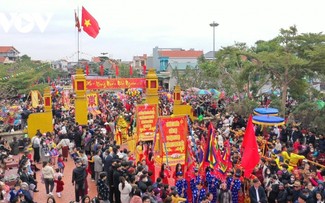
x,y
282,196
296,135
274,192
79,175
116,178
253,195
27,178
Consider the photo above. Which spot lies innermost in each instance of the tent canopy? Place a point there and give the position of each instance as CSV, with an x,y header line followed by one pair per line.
x,y
266,111
268,120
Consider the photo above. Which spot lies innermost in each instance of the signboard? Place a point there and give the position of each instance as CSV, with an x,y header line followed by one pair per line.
x,y
146,116
173,134
115,83
66,98
92,103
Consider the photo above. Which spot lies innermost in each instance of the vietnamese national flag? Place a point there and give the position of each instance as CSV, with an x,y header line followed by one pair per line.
x,y
48,79
101,70
77,23
131,70
116,70
250,156
89,23
87,69
144,69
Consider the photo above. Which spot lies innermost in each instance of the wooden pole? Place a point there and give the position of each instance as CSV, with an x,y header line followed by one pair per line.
x,y
309,161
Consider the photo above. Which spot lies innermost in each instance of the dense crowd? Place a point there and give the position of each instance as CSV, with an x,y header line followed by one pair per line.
x,y
287,171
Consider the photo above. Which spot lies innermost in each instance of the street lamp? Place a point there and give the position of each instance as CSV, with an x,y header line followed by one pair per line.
x,y
214,24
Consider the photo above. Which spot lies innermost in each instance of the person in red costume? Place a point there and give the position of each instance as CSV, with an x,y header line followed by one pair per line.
x,y
164,174
178,168
150,162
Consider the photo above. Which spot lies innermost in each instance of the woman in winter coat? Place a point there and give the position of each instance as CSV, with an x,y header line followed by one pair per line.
x,y
125,188
48,177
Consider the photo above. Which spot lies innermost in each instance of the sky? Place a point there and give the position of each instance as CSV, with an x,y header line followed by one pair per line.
x,y
44,29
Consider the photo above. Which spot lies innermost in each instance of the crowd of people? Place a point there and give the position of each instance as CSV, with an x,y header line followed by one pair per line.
x,y
288,171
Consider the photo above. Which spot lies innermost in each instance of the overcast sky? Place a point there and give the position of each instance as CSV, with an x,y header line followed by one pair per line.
x,y
130,27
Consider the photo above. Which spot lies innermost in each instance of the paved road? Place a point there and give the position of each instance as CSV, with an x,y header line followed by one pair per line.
x,y
68,192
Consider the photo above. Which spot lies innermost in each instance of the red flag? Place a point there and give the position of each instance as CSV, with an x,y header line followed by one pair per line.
x,y
101,70
77,23
89,24
87,69
48,79
250,156
144,69
116,70
210,156
131,70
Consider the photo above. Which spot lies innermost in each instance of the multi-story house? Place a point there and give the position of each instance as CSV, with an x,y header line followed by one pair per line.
x,y
163,57
9,53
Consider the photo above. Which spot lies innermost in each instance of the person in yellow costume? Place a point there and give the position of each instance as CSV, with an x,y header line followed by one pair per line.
x,y
285,156
295,158
280,163
290,157
118,137
139,151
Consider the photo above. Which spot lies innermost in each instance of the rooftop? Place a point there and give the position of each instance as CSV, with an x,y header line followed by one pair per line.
x,y
5,49
181,54
208,55
96,59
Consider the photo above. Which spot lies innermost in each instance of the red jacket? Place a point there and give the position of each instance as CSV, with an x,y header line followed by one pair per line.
x,y
59,185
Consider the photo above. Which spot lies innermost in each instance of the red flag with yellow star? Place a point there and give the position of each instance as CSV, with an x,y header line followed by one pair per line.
x,y
89,23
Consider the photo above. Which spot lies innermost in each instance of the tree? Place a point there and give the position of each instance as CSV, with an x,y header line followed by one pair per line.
x,y
190,77
25,58
289,57
124,70
232,68
25,75
94,68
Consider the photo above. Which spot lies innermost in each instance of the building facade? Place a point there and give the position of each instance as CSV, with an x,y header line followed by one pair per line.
x,y
60,65
162,57
9,52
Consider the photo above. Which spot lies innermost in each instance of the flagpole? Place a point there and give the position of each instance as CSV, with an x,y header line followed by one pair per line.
x,y
78,43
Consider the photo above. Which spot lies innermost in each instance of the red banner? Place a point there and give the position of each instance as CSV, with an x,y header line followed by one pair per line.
x,y
146,116
115,83
173,139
